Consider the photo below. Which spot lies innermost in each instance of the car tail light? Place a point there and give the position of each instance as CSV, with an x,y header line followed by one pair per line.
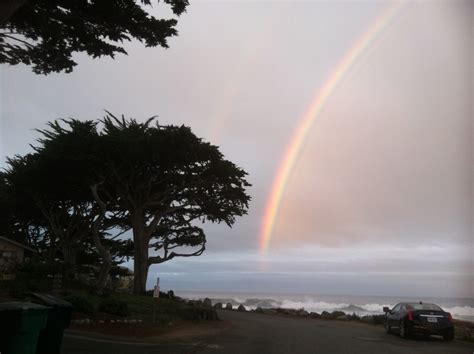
x,y
450,318
410,315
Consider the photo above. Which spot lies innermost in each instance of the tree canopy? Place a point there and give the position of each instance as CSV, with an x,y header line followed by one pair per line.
x,y
46,33
160,182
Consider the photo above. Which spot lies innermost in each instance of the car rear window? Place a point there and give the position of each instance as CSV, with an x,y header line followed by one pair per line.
x,y
429,307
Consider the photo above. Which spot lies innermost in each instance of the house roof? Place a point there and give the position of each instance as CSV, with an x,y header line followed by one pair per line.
x,y
5,239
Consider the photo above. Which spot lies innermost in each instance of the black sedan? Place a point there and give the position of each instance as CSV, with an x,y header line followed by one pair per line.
x,y
419,318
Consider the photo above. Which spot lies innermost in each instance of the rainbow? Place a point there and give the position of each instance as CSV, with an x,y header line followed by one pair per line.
x,y
317,104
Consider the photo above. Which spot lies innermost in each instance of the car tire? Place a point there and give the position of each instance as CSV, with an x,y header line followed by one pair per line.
x,y
402,329
449,337
387,327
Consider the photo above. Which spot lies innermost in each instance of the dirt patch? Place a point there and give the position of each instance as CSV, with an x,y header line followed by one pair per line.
x,y
182,330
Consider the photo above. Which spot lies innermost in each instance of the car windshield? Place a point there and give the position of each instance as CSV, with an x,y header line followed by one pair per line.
x,y
429,307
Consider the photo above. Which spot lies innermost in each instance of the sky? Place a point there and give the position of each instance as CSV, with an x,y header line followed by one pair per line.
x,y
379,197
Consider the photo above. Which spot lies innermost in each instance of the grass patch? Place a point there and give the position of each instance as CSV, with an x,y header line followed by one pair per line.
x,y
464,330
137,307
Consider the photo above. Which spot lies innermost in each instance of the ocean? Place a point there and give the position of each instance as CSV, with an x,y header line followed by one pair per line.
x,y
460,308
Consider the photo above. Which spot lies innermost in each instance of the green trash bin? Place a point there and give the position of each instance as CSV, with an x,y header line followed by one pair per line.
x,y
59,318
20,326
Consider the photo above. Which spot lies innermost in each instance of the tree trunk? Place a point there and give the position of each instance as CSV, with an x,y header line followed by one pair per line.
x,y
106,264
104,252
69,256
140,255
8,8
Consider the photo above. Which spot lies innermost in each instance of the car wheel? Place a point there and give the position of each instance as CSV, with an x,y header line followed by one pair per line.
x,y
387,327
402,329
449,337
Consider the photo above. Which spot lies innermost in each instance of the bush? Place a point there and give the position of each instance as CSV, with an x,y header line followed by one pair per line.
x,y
32,276
325,315
36,269
353,317
198,313
81,304
332,316
336,314
378,319
163,295
464,330
114,307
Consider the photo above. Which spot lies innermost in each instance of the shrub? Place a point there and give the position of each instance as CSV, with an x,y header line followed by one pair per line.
x,y
332,316
114,307
32,276
353,317
325,315
378,319
336,314
199,313
163,295
18,289
81,304
464,330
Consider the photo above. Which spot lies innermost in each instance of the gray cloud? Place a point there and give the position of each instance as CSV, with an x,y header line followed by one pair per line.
x,y
386,165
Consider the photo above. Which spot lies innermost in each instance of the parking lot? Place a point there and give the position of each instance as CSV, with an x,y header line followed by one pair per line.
x,y
258,333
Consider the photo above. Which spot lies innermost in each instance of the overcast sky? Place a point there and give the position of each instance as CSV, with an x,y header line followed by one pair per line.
x,y
380,200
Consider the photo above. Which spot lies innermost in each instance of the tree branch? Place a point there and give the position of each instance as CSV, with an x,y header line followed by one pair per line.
x,y
17,39
167,257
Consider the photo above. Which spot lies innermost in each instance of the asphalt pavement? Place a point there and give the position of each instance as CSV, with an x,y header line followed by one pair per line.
x,y
252,333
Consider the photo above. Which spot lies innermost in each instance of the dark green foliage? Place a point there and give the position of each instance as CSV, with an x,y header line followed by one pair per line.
x,y
374,319
163,295
86,182
325,315
54,209
198,313
378,319
19,218
119,271
39,269
336,314
20,289
32,276
332,316
81,304
191,311
46,33
156,180
464,330
113,306
169,309
353,317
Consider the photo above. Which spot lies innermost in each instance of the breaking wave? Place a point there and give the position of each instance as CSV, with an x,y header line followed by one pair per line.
x,y
320,306
312,305
461,312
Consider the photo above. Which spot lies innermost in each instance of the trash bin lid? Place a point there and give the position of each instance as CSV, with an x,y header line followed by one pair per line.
x,y
20,306
51,300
